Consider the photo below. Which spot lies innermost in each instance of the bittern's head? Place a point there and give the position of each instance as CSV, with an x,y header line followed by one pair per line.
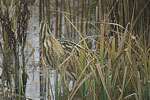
x,y
46,34
44,30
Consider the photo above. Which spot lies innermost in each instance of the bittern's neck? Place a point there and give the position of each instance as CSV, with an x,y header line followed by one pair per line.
x,y
51,36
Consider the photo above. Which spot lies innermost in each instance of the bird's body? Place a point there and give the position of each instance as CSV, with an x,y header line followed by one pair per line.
x,y
57,52
54,51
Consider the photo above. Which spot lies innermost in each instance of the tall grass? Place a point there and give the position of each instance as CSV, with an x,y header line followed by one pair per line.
x,y
114,62
119,66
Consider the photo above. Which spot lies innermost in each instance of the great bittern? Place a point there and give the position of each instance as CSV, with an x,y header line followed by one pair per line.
x,y
57,52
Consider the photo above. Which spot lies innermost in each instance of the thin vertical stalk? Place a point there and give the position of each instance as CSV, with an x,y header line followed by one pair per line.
x,y
60,20
56,22
70,17
74,16
48,11
20,84
82,16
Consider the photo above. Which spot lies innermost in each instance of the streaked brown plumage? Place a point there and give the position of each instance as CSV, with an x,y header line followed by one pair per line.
x,y
56,52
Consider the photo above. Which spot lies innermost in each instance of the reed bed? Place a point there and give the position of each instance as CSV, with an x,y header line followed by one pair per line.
x,y
119,33
114,62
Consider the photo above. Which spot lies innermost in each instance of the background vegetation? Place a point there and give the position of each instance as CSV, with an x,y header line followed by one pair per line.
x,y
117,32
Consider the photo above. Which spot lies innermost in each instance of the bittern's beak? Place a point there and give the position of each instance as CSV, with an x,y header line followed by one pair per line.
x,y
44,30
